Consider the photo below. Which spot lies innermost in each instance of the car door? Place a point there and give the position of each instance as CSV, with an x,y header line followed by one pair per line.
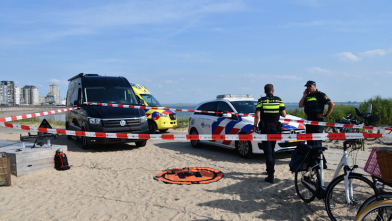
x,y
220,123
206,119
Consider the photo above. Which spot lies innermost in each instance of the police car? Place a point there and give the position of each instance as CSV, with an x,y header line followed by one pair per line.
x,y
225,123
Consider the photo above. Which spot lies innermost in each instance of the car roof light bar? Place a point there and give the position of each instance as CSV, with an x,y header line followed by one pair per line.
x,y
234,96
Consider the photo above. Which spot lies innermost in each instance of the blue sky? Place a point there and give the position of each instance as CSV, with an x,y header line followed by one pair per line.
x,y
190,51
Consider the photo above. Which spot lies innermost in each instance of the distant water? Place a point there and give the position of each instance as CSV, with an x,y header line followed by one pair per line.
x,y
180,115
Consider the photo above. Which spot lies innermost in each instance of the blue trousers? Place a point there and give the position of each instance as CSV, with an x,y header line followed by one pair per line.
x,y
268,148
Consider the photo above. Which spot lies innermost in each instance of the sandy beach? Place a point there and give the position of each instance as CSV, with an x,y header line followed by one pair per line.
x,y
116,183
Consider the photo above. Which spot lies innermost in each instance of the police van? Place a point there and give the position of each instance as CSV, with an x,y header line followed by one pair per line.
x,y
161,120
225,123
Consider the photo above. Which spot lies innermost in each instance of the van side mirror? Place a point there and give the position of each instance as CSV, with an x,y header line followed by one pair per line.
x,y
76,103
141,102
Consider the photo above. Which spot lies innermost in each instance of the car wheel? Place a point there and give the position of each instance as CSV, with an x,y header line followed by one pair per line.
x,y
152,128
244,148
141,143
69,137
195,143
163,131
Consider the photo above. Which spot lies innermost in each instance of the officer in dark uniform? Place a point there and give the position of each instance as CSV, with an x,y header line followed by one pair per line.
x,y
268,110
314,101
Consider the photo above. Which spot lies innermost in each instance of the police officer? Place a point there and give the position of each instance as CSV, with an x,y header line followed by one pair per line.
x,y
268,110
314,101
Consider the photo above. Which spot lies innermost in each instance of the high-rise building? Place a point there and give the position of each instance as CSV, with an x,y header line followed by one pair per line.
x,y
7,92
17,95
31,95
54,89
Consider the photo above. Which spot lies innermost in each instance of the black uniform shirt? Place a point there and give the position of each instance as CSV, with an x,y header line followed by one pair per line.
x,y
314,103
270,107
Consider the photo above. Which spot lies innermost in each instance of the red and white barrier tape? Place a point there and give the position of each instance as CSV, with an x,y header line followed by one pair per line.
x,y
246,137
283,120
6,119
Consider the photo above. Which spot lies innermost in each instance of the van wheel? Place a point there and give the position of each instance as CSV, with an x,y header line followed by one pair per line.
x,y
141,143
85,142
152,128
244,149
163,131
69,137
195,143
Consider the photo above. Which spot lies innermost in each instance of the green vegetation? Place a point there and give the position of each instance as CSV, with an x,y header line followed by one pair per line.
x,y
35,121
380,106
182,123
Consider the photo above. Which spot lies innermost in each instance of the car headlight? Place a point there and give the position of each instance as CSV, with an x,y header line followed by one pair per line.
x,y
95,121
143,119
162,115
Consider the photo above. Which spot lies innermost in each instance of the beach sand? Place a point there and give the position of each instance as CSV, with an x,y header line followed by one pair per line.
x,y
116,183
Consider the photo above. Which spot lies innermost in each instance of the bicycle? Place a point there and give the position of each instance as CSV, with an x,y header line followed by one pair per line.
x,y
309,183
380,139
381,210
368,120
369,204
373,208
343,120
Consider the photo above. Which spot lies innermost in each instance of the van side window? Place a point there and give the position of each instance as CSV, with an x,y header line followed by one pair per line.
x,y
210,107
223,107
71,88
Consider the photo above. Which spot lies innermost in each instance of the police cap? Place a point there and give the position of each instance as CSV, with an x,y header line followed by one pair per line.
x,y
310,83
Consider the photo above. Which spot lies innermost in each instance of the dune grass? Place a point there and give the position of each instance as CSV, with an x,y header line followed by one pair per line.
x,y
182,123
35,121
380,106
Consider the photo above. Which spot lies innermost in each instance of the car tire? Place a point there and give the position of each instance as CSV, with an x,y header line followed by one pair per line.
x,y
244,149
152,128
141,143
195,143
69,137
163,131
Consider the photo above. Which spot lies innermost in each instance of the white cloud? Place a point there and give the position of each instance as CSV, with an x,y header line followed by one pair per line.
x,y
318,70
143,12
56,81
389,72
290,77
347,57
372,53
160,86
170,82
146,80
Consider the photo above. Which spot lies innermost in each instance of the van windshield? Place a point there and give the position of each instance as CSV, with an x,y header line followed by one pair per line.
x,y
112,95
151,101
245,107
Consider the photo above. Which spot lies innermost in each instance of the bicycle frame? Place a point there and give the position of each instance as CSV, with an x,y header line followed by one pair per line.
x,y
343,165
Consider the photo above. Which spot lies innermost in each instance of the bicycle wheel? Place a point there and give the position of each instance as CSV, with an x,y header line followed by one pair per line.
x,y
376,211
375,198
336,204
305,184
369,131
381,140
